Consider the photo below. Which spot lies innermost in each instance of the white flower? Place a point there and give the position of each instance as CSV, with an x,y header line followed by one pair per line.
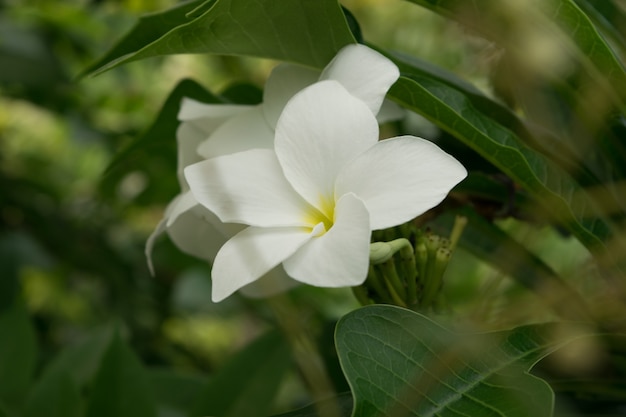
x,y
209,130
312,202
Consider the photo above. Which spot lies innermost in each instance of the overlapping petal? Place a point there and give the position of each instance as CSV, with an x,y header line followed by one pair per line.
x,y
400,178
340,257
199,120
252,253
246,130
321,129
247,187
283,83
365,73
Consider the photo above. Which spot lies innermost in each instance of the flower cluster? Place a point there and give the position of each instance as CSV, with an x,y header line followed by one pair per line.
x,y
290,190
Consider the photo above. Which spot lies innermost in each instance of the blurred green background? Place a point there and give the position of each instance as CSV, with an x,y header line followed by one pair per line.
x,y
72,239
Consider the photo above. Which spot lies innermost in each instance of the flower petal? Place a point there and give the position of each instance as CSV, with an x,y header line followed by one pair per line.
x,y
196,236
365,73
182,203
247,187
199,120
272,283
246,130
197,112
193,229
150,243
283,83
321,129
340,257
400,178
253,252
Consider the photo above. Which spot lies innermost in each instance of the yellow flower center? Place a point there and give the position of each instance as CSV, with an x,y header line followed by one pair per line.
x,y
325,214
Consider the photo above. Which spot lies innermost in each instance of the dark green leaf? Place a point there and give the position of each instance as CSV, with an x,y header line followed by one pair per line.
x,y
9,271
302,31
55,395
121,387
321,409
607,16
148,29
174,390
400,363
452,110
57,392
18,355
80,361
247,384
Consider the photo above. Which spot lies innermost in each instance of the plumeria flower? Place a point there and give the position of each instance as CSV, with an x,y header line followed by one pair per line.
x,y
210,130
312,201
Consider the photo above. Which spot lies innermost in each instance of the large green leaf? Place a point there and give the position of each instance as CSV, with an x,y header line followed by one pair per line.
x,y
322,409
18,355
454,111
121,387
247,384
400,363
55,395
58,389
176,390
484,17
607,16
302,31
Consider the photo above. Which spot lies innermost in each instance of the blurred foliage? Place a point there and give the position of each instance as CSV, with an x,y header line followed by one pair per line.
x,y
75,292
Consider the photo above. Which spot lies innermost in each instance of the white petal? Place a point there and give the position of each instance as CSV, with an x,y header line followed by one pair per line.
x,y
321,129
252,253
182,203
150,243
247,187
246,130
189,136
283,83
197,236
364,72
400,178
340,257
272,283
196,111
198,121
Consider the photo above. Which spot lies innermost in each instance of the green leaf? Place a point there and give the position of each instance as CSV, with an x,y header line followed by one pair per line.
x,y
400,363
55,395
18,355
608,16
174,390
9,271
121,387
302,31
81,360
247,384
154,151
484,16
322,408
57,392
454,111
